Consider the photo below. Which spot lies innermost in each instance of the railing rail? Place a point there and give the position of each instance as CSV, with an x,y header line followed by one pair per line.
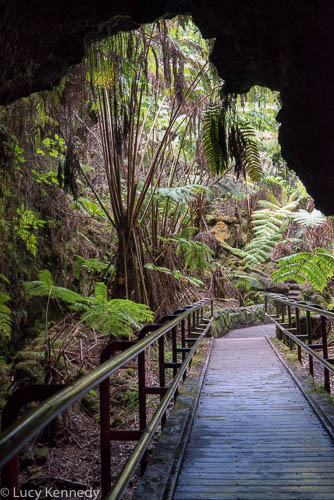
x,y
17,435
314,308
287,321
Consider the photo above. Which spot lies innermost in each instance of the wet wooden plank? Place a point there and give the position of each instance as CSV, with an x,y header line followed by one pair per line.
x,y
254,435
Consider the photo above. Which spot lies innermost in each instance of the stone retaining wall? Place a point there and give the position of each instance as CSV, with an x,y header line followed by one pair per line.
x,y
236,317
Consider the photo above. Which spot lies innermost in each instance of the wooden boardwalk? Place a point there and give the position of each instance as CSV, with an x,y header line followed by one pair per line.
x,y
254,435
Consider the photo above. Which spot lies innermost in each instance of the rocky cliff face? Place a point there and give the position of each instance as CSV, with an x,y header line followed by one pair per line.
x,y
276,43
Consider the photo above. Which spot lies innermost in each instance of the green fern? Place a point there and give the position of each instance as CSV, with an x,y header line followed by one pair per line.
x,y
215,139
260,121
230,187
302,193
115,317
5,311
45,287
316,268
269,224
243,148
183,194
308,219
26,222
196,254
92,266
244,283
227,138
5,315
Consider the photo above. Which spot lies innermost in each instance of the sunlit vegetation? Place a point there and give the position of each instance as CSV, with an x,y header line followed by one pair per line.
x,y
138,185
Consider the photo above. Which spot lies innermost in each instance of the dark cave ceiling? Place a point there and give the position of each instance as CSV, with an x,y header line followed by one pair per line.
x,y
286,45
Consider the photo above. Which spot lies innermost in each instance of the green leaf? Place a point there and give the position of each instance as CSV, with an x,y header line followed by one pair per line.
x,y
316,268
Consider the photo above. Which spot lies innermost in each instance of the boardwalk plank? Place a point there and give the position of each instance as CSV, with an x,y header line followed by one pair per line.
x,y
254,435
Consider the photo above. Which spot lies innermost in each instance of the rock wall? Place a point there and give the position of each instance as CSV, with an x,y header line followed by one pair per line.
x,y
236,317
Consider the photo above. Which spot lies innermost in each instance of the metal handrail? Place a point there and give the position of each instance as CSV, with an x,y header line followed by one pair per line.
x,y
302,344
148,434
16,436
301,305
282,324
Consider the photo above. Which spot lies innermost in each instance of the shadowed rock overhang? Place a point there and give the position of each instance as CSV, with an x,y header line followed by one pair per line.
x,y
285,45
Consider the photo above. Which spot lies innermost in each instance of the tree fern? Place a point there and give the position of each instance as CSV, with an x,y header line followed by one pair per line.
x,y
315,268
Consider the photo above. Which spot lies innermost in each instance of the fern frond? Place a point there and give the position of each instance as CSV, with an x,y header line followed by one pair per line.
x,y
45,287
184,194
269,224
176,274
308,219
301,190
46,277
5,315
115,317
315,268
225,138
215,139
196,254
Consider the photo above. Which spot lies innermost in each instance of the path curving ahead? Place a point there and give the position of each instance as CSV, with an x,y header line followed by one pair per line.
x,y
254,435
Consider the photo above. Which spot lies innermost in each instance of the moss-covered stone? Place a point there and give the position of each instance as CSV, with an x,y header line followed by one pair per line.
x,y
29,372
28,355
236,317
4,385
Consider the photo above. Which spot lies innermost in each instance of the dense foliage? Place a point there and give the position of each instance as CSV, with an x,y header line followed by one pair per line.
x,y
138,184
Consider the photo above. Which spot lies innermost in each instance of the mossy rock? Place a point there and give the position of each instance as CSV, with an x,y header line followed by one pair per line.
x,y
236,317
38,343
221,231
29,372
28,355
4,385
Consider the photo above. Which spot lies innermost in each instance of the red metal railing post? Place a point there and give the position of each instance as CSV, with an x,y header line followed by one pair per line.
x,y
290,325
309,339
10,413
105,437
327,385
162,375
142,401
299,349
